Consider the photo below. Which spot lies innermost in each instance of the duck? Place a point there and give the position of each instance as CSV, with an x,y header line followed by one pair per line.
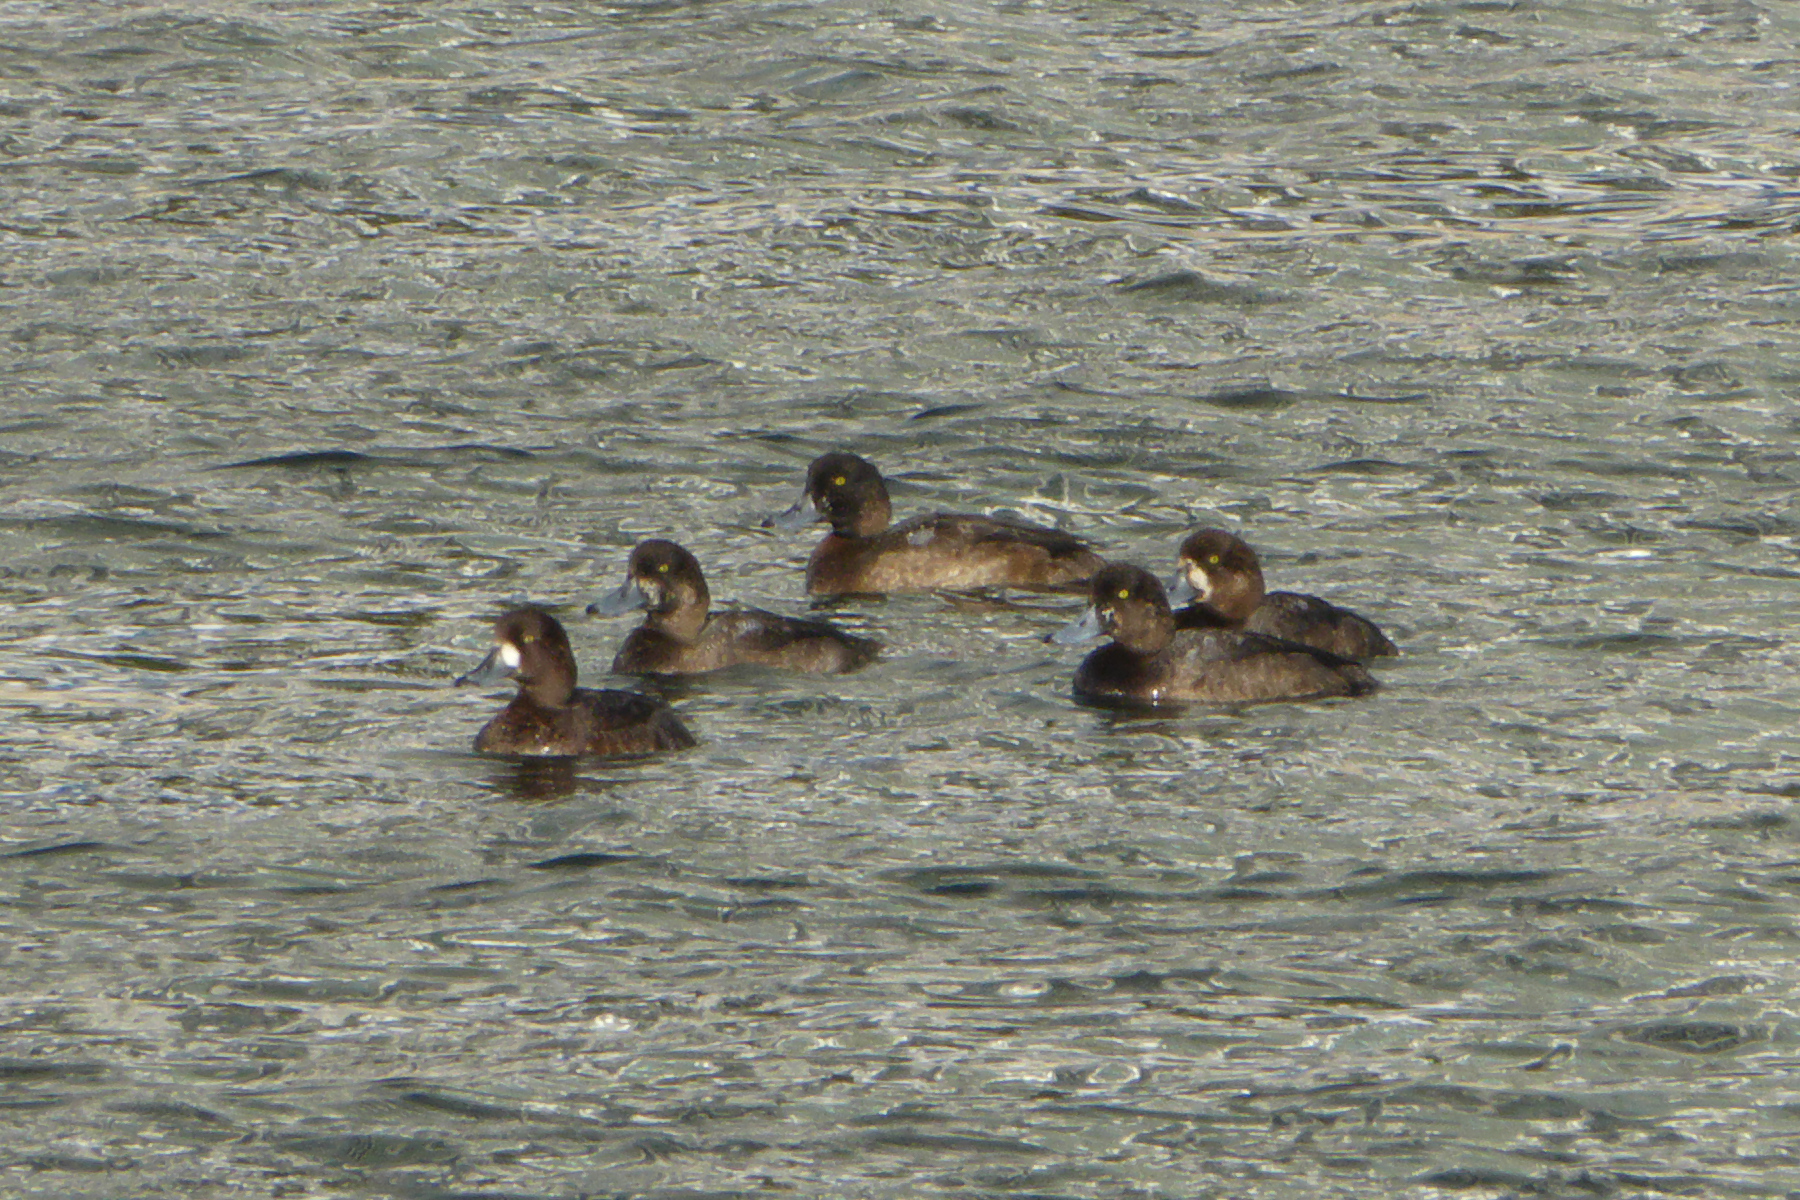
x,y
866,555
681,635
1220,584
1151,663
550,716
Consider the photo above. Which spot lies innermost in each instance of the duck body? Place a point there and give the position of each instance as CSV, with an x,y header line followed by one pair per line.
x,y
550,716
682,635
1222,577
1150,662
949,550
1218,666
603,722
865,554
1298,617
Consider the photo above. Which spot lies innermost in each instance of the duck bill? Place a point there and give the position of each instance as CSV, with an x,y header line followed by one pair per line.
x,y
1084,630
1180,590
614,604
493,669
804,513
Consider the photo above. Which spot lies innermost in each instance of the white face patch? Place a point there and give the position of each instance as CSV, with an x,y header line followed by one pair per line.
x,y
509,654
1201,582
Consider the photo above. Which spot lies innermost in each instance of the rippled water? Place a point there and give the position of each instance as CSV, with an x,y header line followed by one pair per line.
x,y
331,331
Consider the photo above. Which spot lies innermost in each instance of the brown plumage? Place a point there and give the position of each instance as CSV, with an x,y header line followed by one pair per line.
x,y
550,715
682,636
1150,662
1221,574
864,554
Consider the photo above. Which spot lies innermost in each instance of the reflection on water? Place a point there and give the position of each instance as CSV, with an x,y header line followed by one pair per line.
x,y
539,779
333,332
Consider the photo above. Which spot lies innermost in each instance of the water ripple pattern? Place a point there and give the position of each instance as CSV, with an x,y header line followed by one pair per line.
x,y
331,330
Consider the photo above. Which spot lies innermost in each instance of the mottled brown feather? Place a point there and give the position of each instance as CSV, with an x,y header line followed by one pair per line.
x,y
551,716
1151,662
864,554
1225,570
682,636
604,722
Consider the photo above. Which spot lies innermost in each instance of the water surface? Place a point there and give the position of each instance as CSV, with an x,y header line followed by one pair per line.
x,y
334,330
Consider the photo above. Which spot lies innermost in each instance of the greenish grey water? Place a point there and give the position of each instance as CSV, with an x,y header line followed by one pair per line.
x,y
331,331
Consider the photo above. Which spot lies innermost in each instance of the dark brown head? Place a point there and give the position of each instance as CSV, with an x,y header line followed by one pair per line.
x,y
846,491
663,579
1127,604
1220,571
531,647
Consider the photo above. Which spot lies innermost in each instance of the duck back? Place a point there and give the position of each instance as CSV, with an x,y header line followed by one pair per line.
x,y
1219,666
604,722
1310,621
747,635
950,550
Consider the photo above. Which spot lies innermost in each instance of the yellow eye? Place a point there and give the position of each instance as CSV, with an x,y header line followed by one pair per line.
x,y
1213,559
838,481
1124,593
663,567
528,639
